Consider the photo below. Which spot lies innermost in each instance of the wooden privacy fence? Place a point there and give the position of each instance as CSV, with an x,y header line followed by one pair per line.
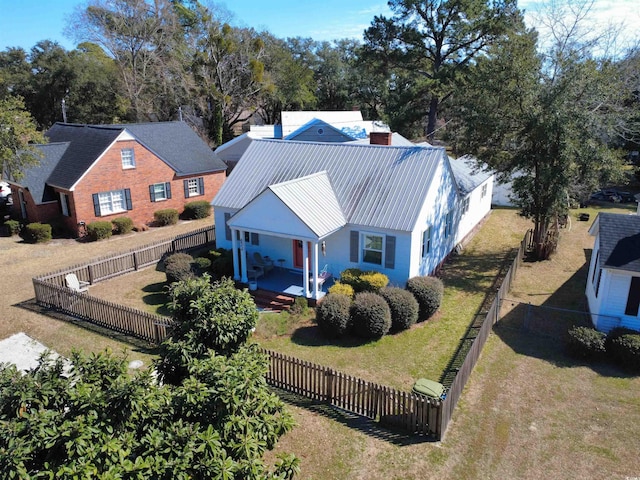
x,y
51,290
412,413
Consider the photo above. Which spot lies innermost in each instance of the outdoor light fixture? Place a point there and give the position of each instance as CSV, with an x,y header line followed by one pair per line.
x,y
323,246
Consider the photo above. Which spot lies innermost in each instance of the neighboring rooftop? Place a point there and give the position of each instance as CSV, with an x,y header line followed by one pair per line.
x,y
619,240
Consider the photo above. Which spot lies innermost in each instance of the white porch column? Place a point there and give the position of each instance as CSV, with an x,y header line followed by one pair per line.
x,y
234,249
243,258
305,268
314,266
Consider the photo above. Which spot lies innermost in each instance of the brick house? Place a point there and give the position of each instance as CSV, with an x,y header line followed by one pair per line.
x,y
100,172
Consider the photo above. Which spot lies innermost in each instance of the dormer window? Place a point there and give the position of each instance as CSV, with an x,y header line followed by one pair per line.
x,y
128,158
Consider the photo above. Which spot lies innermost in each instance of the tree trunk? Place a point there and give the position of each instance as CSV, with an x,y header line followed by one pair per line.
x,y
432,118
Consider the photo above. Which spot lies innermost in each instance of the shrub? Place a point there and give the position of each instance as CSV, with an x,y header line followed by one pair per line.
x,y
332,315
351,276
403,306
370,315
122,225
36,233
197,209
340,288
178,267
625,350
616,333
428,292
585,342
99,230
168,216
12,226
300,306
370,281
201,264
221,262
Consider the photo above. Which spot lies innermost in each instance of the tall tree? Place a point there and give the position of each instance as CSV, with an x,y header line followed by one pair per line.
x,y
548,117
438,39
18,133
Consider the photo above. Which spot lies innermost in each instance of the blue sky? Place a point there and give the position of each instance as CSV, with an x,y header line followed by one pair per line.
x,y
25,22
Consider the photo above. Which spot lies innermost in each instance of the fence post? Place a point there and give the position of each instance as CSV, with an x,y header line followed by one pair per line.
x,y
90,269
330,375
135,261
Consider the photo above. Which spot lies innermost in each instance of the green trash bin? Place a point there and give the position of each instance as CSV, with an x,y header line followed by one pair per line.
x,y
427,387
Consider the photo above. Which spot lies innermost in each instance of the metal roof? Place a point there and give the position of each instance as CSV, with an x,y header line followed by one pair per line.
x,y
313,200
468,176
377,186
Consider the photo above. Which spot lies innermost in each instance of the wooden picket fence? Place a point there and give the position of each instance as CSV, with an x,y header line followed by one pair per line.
x,y
51,290
415,414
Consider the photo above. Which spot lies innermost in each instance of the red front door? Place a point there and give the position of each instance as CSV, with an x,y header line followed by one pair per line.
x,y
298,254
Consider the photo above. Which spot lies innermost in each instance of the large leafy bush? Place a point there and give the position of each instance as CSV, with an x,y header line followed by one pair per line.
x,y
370,315
428,291
36,233
332,314
586,342
403,306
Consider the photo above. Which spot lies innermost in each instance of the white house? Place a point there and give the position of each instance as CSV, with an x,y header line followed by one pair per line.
x,y
397,210
613,284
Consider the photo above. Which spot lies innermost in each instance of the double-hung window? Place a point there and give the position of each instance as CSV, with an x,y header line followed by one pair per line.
x,y
372,248
160,191
112,202
426,242
193,187
448,224
128,158
483,191
465,205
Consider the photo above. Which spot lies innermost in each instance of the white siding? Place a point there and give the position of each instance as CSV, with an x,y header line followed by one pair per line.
x,y
479,207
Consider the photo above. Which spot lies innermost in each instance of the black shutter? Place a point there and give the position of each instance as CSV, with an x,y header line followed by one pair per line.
x,y
390,252
167,188
96,204
227,230
354,240
127,198
152,193
633,301
254,239
186,188
201,185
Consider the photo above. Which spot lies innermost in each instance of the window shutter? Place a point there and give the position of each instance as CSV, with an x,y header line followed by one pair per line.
x,y
167,188
152,193
390,252
227,230
255,240
201,185
354,240
96,204
127,198
186,188
633,300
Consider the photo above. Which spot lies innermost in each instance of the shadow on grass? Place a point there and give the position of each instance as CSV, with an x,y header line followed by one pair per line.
x,y
136,344
541,331
312,336
362,424
156,296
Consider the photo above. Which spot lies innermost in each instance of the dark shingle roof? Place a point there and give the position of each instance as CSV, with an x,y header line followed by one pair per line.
x,y
35,177
620,241
174,142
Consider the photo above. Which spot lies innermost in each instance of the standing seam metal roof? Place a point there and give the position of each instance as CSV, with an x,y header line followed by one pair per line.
x,y
377,186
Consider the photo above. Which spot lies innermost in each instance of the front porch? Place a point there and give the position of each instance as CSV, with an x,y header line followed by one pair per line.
x,y
288,282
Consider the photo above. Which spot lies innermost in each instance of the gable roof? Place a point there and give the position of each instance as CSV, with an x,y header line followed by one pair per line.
x,y
35,177
377,186
293,120
619,240
319,130
468,177
173,142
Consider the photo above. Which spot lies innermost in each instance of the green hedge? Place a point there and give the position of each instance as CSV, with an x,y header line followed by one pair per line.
x,y
99,230
178,267
361,281
370,315
624,348
332,315
586,342
340,288
428,292
403,306
167,216
36,233
13,227
197,209
122,225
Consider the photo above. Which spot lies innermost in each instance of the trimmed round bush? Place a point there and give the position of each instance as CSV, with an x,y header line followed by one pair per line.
x,y
13,227
332,315
340,288
167,216
625,350
221,262
178,267
428,292
403,306
370,315
616,333
197,209
36,233
370,281
122,225
99,230
586,342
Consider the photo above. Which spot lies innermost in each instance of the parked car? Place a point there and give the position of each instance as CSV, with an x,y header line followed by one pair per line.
x,y
612,195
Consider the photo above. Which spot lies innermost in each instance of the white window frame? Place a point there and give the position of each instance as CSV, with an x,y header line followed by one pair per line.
x,y
112,202
448,224
159,197
64,204
128,158
193,186
465,205
363,249
483,191
427,237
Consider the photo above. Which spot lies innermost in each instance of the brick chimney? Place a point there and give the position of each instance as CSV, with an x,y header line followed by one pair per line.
x,y
380,138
